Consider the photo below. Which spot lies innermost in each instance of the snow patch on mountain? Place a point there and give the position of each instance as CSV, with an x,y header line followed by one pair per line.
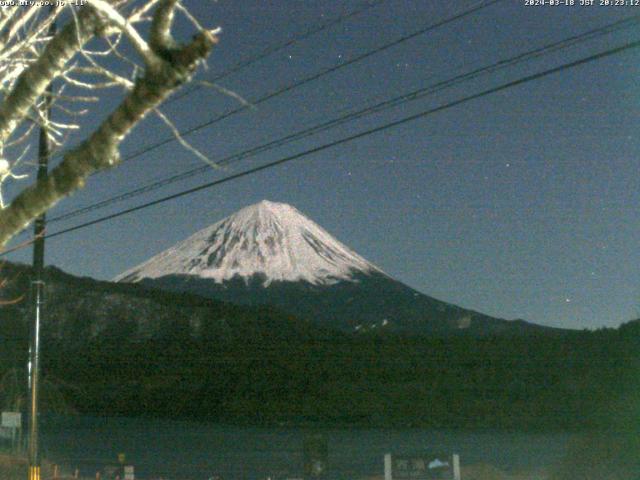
x,y
270,239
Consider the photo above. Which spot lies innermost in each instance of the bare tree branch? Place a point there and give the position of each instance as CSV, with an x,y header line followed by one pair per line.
x,y
182,141
33,82
100,150
113,16
160,37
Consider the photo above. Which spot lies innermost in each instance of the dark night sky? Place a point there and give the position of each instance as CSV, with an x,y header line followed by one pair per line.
x,y
521,204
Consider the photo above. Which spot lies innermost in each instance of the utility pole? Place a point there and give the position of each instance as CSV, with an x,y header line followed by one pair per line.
x,y
37,292
37,284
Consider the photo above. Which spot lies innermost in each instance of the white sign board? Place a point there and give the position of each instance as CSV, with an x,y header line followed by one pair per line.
x,y
422,467
128,473
11,419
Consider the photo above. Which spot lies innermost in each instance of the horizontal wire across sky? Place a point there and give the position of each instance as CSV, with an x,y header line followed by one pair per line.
x,y
417,168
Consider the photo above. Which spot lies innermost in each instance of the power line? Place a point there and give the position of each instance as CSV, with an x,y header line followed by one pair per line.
x,y
267,52
276,48
395,101
311,78
386,126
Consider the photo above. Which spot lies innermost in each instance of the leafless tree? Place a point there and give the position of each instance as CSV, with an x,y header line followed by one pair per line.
x,y
98,46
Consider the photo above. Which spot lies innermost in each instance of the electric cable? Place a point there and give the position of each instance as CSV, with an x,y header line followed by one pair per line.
x,y
309,79
395,101
384,127
281,46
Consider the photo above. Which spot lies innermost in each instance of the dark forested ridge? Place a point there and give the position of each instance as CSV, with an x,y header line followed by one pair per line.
x,y
121,349
365,302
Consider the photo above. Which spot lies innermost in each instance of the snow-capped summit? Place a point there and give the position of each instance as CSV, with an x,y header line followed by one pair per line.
x,y
271,254
270,239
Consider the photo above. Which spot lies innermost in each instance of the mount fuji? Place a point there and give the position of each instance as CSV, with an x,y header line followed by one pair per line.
x,y
270,253
272,240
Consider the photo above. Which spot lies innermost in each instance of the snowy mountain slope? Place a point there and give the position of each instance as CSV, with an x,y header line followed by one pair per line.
x,y
271,254
273,240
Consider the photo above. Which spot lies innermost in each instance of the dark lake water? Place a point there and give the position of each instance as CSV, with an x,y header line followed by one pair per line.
x,y
197,451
